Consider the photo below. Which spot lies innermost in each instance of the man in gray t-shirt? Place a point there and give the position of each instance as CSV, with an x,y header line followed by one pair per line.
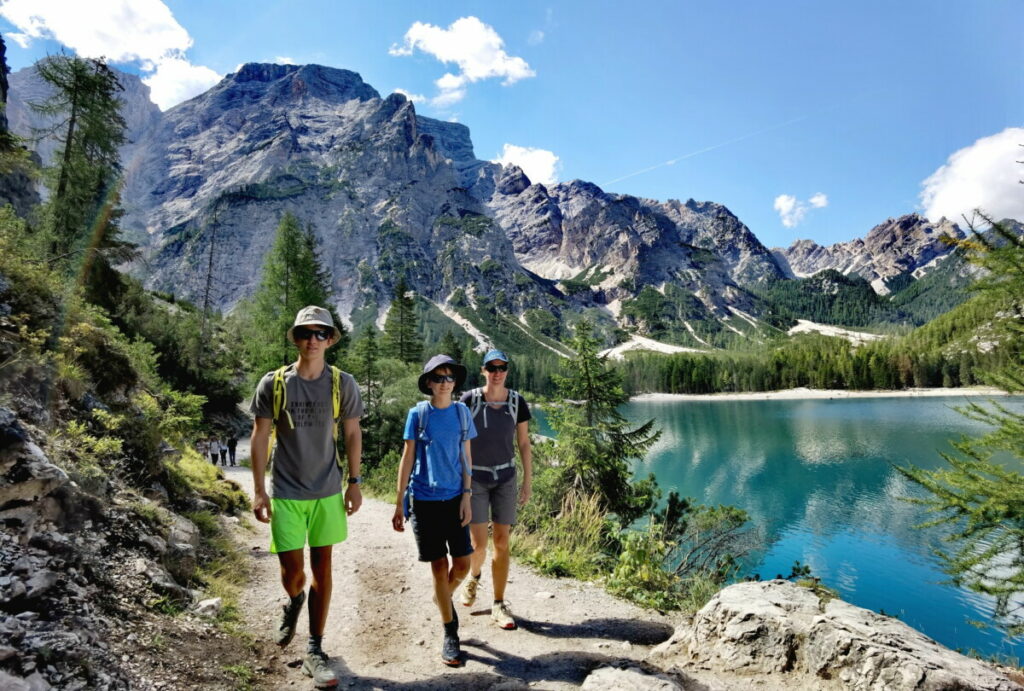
x,y
299,404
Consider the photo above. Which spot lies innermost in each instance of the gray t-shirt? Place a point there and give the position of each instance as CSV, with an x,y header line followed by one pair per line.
x,y
496,432
304,462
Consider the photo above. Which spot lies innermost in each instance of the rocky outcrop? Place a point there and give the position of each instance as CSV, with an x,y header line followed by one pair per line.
x,y
909,244
777,628
72,570
17,188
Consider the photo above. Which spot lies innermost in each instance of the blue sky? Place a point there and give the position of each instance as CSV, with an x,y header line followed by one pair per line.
x,y
807,119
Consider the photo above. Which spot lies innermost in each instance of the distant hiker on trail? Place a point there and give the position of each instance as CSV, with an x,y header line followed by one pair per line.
x,y
202,447
303,405
213,449
223,448
232,445
500,416
436,470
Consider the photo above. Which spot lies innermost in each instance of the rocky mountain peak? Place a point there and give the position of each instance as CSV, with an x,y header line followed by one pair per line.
x,y
909,244
293,82
512,180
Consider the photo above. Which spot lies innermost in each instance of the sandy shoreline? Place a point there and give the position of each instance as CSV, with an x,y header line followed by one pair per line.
x,y
810,394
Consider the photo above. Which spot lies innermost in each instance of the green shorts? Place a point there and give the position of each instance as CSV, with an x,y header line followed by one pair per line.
x,y
292,520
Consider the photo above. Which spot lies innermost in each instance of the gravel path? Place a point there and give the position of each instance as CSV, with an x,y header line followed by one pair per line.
x,y
384,632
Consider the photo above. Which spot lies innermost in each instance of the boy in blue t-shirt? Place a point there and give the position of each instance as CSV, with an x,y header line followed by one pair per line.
x,y
436,468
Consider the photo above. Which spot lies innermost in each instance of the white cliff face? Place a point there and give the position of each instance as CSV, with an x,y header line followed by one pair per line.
x,y
908,244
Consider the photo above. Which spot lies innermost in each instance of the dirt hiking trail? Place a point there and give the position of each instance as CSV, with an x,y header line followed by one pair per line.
x,y
383,631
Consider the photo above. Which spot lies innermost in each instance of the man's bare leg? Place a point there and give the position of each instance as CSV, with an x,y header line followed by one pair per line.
x,y
320,588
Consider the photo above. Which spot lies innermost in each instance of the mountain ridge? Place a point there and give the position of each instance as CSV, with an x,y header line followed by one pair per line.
x,y
392,195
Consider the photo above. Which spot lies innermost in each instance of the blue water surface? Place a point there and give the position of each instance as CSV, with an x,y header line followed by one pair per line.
x,y
817,478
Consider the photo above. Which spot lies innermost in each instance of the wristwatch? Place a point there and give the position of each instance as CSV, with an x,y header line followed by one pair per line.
x,y
355,480
467,490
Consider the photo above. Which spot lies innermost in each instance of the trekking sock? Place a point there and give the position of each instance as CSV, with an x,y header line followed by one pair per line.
x,y
451,628
314,644
498,602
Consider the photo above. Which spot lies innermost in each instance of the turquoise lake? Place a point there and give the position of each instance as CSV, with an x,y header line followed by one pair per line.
x,y
817,478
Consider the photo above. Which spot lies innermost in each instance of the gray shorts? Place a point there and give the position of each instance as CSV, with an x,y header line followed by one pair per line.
x,y
495,502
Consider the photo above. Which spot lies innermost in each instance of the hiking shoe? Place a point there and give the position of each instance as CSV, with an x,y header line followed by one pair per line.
x,y
315,665
451,652
289,616
469,591
502,615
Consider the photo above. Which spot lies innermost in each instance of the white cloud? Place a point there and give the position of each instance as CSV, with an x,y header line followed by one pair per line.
x,y
284,60
536,37
473,46
540,165
415,98
123,31
176,80
792,211
984,175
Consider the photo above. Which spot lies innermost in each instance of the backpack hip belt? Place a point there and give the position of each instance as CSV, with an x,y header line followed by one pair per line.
x,y
493,470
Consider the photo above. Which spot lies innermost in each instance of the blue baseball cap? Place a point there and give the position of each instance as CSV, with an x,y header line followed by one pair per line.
x,y
495,354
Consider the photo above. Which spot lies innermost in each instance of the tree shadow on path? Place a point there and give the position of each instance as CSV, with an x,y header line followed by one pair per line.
x,y
635,631
510,671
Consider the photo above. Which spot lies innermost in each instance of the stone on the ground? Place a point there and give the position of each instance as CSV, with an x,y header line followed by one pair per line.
x,y
210,607
780,628
628,679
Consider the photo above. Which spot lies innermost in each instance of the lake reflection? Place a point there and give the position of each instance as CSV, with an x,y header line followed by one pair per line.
x,y
817,477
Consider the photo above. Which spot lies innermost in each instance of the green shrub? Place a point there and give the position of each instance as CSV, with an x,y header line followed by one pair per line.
x,y
191,474
640,575
573,543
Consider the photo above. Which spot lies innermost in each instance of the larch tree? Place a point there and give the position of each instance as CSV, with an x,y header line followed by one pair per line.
x,y
978,497
85,115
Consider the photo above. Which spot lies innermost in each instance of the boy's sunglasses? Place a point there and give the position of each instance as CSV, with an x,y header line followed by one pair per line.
x,y
441,378
302,333
496,368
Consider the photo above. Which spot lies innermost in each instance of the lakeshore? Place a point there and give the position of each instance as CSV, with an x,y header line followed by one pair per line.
x,y
804,393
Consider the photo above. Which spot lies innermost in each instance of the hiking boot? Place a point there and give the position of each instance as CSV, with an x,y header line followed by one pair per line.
x,y
451,652
316,665
289,616
469,591
501,613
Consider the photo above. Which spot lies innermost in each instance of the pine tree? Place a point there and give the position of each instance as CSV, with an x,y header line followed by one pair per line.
x,y
84,182
292,278
595,443
401,339
450,346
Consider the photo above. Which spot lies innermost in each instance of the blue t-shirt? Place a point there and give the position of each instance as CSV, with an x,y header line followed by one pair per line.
x,y
437,470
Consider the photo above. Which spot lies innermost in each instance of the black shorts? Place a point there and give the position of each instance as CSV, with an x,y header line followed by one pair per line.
x,y
438,529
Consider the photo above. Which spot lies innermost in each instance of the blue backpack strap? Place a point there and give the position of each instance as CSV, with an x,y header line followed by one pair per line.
x,y
465,417
422,435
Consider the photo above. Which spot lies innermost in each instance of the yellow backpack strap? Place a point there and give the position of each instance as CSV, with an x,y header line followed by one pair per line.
x,y
336,398
280,405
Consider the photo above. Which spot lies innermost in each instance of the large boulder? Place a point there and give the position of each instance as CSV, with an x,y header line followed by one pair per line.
x,y
779,628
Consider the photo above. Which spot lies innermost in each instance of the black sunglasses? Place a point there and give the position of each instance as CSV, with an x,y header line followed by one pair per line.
x,y
302,333
440,378
496,368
